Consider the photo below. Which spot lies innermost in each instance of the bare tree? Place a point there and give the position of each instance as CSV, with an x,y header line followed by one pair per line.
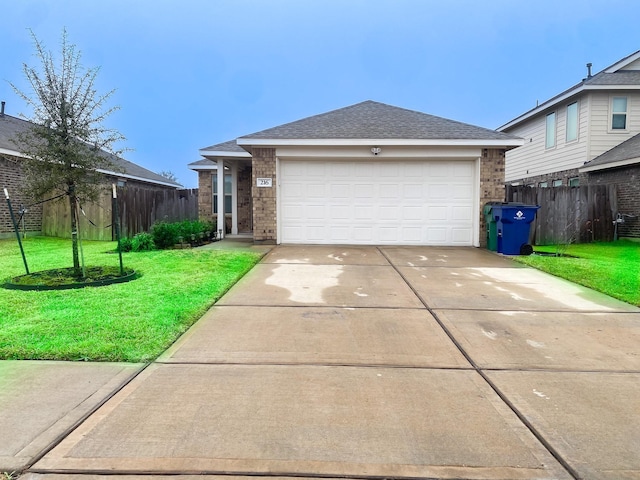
x,y
169,175
67,142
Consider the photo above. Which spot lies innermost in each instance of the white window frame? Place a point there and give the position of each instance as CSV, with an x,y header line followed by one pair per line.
x,y
574,182
573,120
543,184
214,180
624,113
556,183
550,136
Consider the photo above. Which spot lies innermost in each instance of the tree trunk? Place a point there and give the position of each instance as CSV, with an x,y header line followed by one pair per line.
x,y
73,200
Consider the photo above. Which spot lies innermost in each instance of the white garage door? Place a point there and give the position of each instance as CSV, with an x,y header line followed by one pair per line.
x,y
377,202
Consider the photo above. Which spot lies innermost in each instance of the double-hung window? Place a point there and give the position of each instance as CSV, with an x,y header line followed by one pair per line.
x,y
550,131
227,192
619,113
572,122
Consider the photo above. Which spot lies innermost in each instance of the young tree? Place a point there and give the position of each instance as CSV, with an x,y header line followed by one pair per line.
x,y
67,142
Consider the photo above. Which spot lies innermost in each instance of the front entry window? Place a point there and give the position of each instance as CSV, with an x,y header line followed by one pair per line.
x,y
227,192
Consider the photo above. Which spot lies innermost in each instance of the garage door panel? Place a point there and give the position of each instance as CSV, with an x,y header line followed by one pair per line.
x,y
364,191
461,236
412,213
316,212
462,213
427,202
364,213
436,236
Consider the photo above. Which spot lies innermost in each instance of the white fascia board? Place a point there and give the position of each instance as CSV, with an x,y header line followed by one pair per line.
x,y
623,63
13,153
221,153
512,142
133,177
198,168
604,166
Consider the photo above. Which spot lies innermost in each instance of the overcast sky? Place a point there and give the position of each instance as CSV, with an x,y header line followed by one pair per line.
x,y
193,73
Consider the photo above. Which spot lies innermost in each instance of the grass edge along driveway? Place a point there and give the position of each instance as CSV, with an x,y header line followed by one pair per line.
x,y
612,268
127,322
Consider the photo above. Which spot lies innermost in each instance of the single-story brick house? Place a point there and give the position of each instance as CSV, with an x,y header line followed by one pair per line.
x,y
367,174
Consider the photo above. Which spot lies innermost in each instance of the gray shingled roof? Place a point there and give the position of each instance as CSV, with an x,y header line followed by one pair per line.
x,y
230,146
373,120
201,163
10,126
621,77
627,150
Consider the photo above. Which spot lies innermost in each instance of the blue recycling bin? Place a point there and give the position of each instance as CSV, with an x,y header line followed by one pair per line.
x,y
514,223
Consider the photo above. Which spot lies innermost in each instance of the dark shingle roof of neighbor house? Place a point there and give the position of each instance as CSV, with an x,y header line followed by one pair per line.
x,y
374,120
10,126
627,150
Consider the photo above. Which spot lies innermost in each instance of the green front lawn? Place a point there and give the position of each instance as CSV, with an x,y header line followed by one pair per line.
x,y
612,268
129,322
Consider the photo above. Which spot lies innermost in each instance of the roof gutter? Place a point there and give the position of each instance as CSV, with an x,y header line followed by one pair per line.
x,y
273,142
561,98
605,166
140,179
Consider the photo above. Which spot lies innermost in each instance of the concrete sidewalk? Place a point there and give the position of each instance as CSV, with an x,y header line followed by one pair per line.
x,y
376,362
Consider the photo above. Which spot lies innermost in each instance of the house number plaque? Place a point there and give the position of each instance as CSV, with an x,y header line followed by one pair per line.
x,y
264,182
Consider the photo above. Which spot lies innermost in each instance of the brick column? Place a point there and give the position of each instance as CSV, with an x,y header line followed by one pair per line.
x,y
491,183
264,198
205,195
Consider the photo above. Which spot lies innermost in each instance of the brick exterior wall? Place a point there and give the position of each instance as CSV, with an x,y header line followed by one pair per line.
x,y
245,210
491,184
205,195
549,178
627,181
205,199
264,199
11,179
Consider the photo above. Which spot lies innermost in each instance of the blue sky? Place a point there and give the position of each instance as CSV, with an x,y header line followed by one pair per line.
x,y
193,73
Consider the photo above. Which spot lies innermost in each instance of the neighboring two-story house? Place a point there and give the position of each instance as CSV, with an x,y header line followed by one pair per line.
x,y
588,134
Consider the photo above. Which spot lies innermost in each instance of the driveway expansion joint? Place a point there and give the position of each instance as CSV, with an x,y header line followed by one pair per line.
x,y
538,435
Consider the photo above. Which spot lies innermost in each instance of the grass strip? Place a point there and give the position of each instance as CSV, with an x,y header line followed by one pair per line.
x,y
612,268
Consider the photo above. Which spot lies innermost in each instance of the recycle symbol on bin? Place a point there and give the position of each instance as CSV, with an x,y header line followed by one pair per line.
x,y
519,214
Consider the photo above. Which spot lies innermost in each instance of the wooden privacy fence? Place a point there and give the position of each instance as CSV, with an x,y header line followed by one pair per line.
x,y
139,209
569,214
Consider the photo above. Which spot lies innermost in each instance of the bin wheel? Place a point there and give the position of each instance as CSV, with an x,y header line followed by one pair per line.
x,y
526,249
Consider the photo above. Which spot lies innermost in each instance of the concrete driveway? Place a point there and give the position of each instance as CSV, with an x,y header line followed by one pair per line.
x,y
416,362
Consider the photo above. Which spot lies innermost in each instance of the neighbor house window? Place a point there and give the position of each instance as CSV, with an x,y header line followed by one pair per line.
x,y
572,122
574,182
619,113
543,184
550,138
227,193
557,183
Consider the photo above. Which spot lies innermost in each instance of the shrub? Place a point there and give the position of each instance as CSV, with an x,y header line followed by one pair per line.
x,y
125,245
142,242
165,235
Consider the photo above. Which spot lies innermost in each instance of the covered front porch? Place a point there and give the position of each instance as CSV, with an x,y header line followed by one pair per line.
x,y
229,193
